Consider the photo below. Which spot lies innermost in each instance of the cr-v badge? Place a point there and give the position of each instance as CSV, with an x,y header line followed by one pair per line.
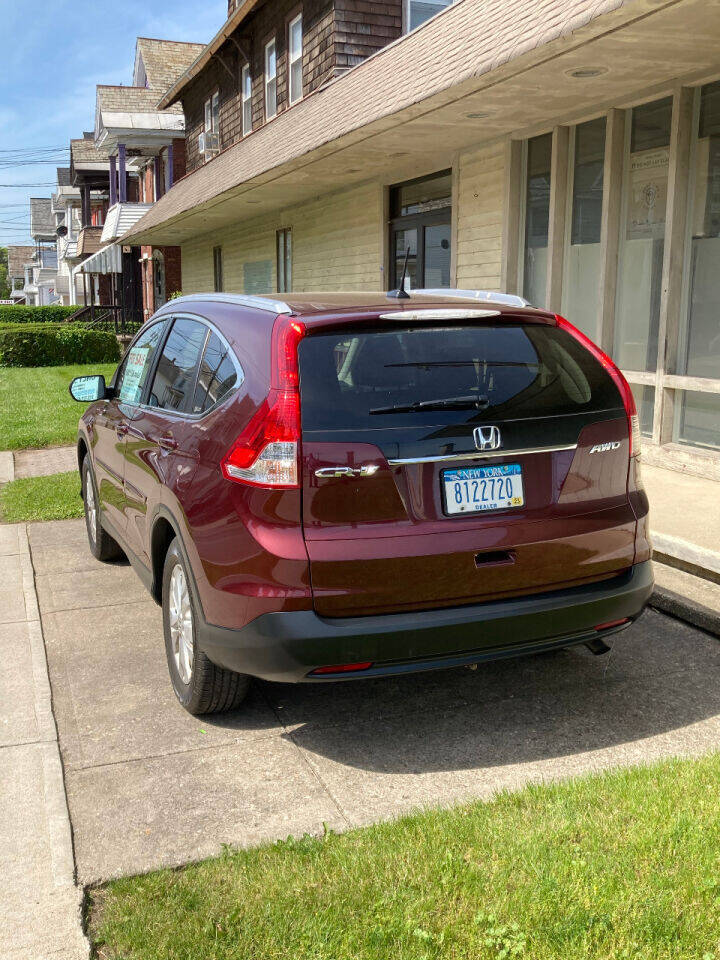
x,y
604,447
487,438
366,470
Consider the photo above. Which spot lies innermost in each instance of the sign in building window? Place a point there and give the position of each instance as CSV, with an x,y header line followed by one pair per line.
x,y
284,260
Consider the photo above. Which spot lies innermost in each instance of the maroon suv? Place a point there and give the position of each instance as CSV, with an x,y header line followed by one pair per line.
x,y
347,486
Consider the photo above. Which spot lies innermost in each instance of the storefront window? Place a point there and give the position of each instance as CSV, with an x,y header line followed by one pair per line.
x,y
537,219
642,240
420,213
582,256
699,354
698,419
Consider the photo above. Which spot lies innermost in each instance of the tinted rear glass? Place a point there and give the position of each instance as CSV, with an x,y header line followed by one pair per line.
x,y
348,380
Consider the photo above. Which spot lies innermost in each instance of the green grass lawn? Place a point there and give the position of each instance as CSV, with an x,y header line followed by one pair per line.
x,y
56,497
620,865
36,408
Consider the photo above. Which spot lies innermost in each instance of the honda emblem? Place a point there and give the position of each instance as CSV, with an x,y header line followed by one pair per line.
x,y
487,438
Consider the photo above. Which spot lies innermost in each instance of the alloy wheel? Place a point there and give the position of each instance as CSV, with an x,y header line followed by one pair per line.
x,y
181,623
90,508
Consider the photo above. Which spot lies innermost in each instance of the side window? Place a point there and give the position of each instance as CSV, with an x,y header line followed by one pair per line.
x,y
219,374
137,364
175,374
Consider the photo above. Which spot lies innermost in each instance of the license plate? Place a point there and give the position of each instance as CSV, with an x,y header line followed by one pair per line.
x,y
472,489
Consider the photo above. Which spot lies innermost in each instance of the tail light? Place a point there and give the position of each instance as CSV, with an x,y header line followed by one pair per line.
x,y
620,382
266,453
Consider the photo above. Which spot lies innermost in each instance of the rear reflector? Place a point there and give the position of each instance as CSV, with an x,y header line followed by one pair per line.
x,y
342,668
620,382
612,623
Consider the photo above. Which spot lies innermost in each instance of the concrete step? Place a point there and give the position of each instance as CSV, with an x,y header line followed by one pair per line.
x,y
696,600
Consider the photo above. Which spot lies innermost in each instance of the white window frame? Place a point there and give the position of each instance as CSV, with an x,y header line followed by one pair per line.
x,y
212,113
270,80
246,99
407,4
294,96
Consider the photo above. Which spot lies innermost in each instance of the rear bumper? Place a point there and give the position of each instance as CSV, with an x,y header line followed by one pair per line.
x,y
286,646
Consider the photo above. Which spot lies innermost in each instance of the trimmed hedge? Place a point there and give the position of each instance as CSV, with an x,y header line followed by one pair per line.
x,y
21,314
54,344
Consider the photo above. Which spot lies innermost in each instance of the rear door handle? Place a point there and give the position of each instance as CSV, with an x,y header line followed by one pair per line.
x,y
167,443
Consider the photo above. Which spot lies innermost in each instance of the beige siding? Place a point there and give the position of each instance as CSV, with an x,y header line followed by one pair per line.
x,y
481,176
336,246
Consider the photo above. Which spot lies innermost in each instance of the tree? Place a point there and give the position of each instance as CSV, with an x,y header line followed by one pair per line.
x,y
4,285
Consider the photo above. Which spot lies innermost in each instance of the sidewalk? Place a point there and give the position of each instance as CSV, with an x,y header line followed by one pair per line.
x,y
40,903
685,525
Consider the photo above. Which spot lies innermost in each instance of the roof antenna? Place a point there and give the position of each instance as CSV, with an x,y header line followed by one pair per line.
x,y
401,293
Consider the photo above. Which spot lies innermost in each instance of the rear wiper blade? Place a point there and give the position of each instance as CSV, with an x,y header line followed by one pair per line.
x,y
446,403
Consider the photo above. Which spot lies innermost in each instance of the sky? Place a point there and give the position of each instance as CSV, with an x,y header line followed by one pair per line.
x,y
54,55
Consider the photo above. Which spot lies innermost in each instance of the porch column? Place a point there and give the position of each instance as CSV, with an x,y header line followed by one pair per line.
x,y
113,181
157,167
169,165
122,178
85,205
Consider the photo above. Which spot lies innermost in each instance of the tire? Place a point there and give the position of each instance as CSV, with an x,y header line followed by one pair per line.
x,y
200,685
102,545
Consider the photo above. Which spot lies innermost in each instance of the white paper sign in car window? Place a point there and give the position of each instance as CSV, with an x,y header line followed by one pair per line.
x,y
131,388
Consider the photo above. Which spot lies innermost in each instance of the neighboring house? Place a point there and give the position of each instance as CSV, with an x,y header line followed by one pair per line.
x,y
145,149
66,208
17,258
40,271
565,150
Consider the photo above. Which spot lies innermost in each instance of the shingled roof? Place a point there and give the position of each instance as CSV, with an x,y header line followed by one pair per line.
x,y
130,100
42,223
17,258
165,60
83,150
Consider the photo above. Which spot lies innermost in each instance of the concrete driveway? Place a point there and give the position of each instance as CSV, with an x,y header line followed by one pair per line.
x,y
149,786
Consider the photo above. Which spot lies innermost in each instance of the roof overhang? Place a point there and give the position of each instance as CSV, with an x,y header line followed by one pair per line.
x,y
490,83
230,25
138,131
107,260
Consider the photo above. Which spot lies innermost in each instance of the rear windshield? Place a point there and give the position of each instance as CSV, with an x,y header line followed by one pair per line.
x,y
356,380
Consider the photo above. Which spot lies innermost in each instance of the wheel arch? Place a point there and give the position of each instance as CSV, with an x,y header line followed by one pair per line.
x,y
165,529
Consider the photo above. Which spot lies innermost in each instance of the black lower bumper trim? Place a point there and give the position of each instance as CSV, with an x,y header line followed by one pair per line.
x,y
287,646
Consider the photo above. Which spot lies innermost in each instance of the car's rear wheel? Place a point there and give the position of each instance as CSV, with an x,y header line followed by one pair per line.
x,y
102,545
200,685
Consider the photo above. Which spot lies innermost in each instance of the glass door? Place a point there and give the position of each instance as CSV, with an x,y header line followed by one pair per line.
x,y
420,228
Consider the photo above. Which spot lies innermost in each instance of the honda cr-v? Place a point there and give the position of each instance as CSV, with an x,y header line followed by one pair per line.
x,y
345,486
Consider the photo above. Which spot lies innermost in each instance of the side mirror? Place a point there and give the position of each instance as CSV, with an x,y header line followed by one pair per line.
x,y
88,389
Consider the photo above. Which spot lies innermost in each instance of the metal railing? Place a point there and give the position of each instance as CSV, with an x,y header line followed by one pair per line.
x,y
110,317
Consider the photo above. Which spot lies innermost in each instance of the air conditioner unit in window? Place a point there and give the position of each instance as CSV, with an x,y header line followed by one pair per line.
x,y
208,144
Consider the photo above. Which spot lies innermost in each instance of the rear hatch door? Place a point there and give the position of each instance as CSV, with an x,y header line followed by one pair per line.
x,y
450,463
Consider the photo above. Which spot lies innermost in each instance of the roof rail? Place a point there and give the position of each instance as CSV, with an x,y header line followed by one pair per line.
x,y
241,299
492,296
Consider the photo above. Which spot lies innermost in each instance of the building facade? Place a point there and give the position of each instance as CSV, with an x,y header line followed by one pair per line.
x,y
563,150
